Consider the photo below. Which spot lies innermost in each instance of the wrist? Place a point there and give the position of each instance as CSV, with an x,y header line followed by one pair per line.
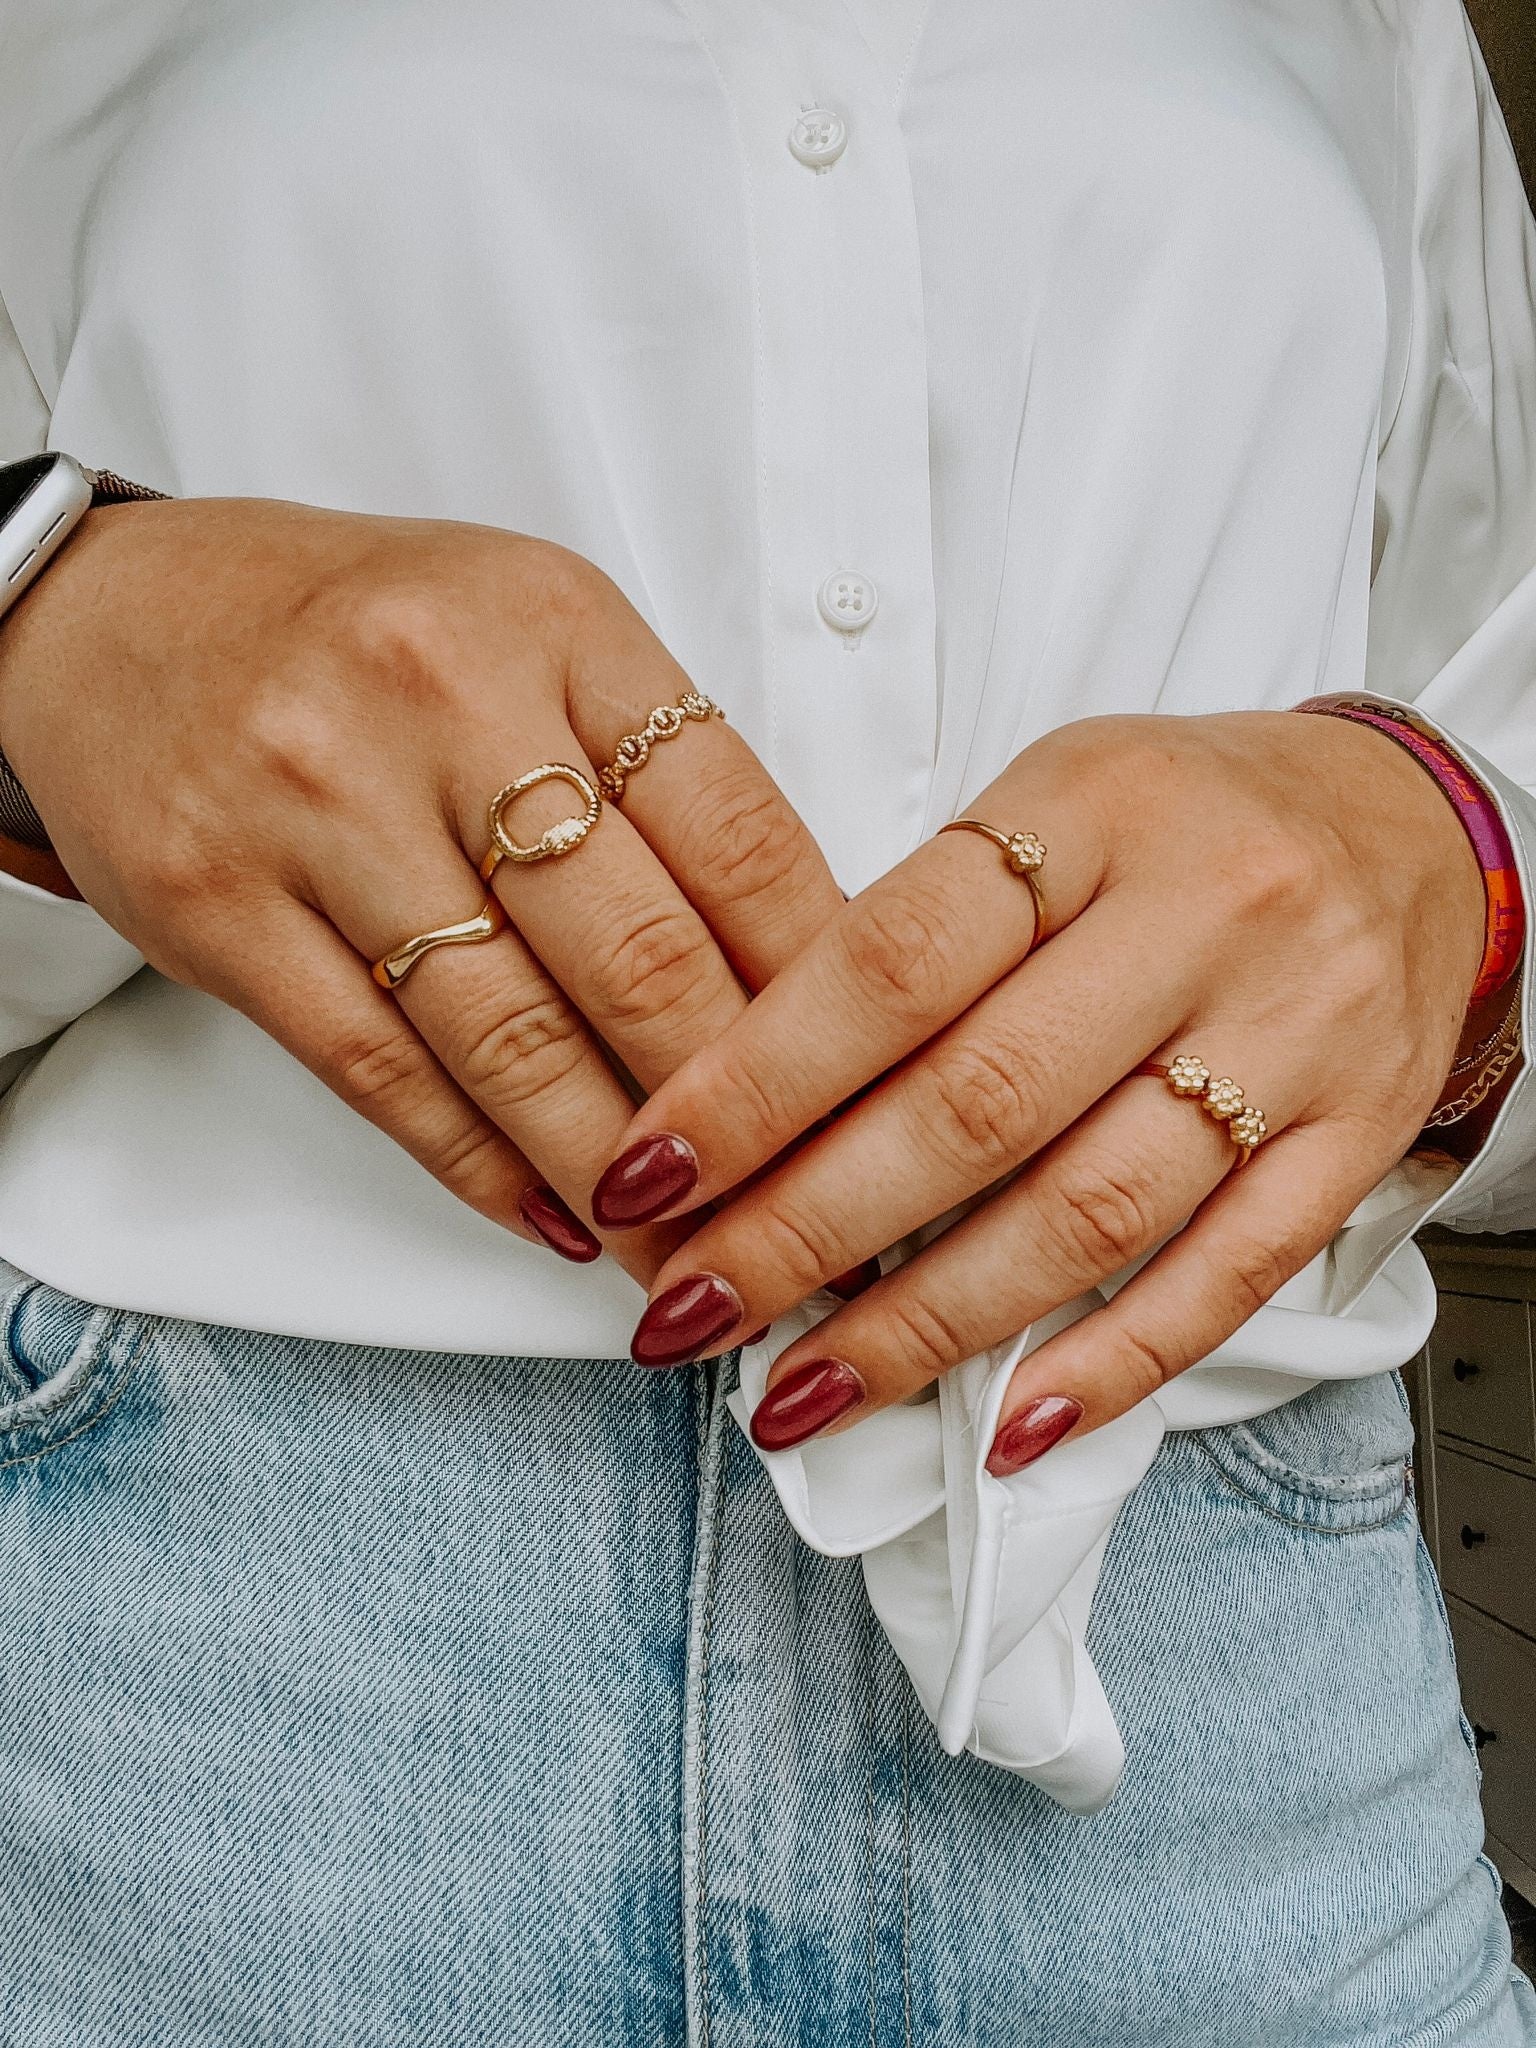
x,y
1477,812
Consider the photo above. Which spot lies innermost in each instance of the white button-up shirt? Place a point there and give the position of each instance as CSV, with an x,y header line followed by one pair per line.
x,y
927,377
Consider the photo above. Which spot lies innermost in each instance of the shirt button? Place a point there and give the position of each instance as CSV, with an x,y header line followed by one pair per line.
x,y
818,137
847,601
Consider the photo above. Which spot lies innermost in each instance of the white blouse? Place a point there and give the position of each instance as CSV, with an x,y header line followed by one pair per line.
x,y
927,377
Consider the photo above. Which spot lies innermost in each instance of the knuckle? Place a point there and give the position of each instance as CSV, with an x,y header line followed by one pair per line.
x,y
800,1247
1281,875
1102,1215
558,584
397,623
1142,1362
523,1051
982,1110
472,1164
297,742
375,1070
900,946
1256,1269
927,1337
750,842
660,962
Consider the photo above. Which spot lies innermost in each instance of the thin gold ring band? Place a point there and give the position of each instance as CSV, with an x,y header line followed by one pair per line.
x,y
1023,853
1188,1076
473,931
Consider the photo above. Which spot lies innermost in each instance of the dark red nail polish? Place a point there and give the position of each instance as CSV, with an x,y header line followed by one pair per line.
x,y
561,1229
643,1181
847,1285
757,1336
804,1402
1030,1433
691,1314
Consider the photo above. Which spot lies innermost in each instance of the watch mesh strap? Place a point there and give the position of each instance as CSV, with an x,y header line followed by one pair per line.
x,y
18,814
108,488
18,819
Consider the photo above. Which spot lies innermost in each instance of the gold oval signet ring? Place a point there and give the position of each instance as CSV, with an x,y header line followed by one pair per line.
x,y
556,840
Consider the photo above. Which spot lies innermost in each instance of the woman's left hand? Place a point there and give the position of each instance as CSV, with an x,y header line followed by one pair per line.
x,y
1289,898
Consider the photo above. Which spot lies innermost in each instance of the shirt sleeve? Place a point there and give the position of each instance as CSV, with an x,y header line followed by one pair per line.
x,y
57,958
1452,622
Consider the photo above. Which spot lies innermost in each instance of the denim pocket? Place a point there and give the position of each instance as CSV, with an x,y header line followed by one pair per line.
x,y
1334,1460
63,1363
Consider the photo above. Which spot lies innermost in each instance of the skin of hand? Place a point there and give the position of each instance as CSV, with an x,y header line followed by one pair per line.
x,y
1291,898
264,739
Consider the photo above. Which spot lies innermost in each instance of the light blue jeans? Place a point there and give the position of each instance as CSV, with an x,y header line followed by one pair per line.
x,y
379,1699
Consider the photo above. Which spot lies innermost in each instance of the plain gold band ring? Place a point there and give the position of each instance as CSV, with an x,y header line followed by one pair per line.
x,y
473,931
1023,854
1190,1077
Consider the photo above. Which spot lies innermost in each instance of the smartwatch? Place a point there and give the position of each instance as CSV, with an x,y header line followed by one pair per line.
x,y
42,500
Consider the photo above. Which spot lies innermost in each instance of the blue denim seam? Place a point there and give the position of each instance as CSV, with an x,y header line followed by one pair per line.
x,y
711,1383
871,1753
906,1867
1426,1564
1350,1517
117,1342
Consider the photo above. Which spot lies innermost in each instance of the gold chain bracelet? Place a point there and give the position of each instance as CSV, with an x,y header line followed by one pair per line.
x,y
1501,1050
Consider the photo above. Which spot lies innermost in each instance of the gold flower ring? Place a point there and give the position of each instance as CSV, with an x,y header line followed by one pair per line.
x,y
1023,855
1188,1075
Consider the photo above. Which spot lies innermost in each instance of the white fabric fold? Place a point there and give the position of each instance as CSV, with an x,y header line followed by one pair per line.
x,y
984,1586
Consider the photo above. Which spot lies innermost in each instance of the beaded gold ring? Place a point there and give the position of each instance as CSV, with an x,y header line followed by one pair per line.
x,y
664,723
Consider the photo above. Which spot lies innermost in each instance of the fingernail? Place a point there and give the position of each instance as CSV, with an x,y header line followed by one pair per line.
x,y
757,1336
678,1324
855,1280
561,1229
804,1402
643,1181
1030,1433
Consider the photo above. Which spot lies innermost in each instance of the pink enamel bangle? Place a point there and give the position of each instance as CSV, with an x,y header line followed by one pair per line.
x,y
1504,932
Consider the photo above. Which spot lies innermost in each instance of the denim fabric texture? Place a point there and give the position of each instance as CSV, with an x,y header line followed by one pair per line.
x,y
386,1699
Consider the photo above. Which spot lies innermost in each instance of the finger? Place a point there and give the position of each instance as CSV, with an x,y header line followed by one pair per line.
x,y
709,810
605,918
908,955
499,1026
1019,1068
1101,1197
1256,1233
313,997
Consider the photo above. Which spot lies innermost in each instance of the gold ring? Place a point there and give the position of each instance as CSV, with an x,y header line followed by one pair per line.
x,y
558,839
1023,853
664,723
1189,1076
395,966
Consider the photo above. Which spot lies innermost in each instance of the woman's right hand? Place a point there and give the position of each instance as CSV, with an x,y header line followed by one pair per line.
x,y
264,739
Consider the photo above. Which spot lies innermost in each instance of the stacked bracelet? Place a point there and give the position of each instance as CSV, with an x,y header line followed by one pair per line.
x,y
1504,933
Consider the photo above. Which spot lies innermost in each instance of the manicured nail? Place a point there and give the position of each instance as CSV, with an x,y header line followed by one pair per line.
x,y
1030,1433
804,1402
680,1323
561,1229
847,1285
643,1181
757,1336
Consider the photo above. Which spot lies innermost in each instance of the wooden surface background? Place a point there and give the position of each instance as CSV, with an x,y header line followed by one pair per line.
x,y
1507,31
